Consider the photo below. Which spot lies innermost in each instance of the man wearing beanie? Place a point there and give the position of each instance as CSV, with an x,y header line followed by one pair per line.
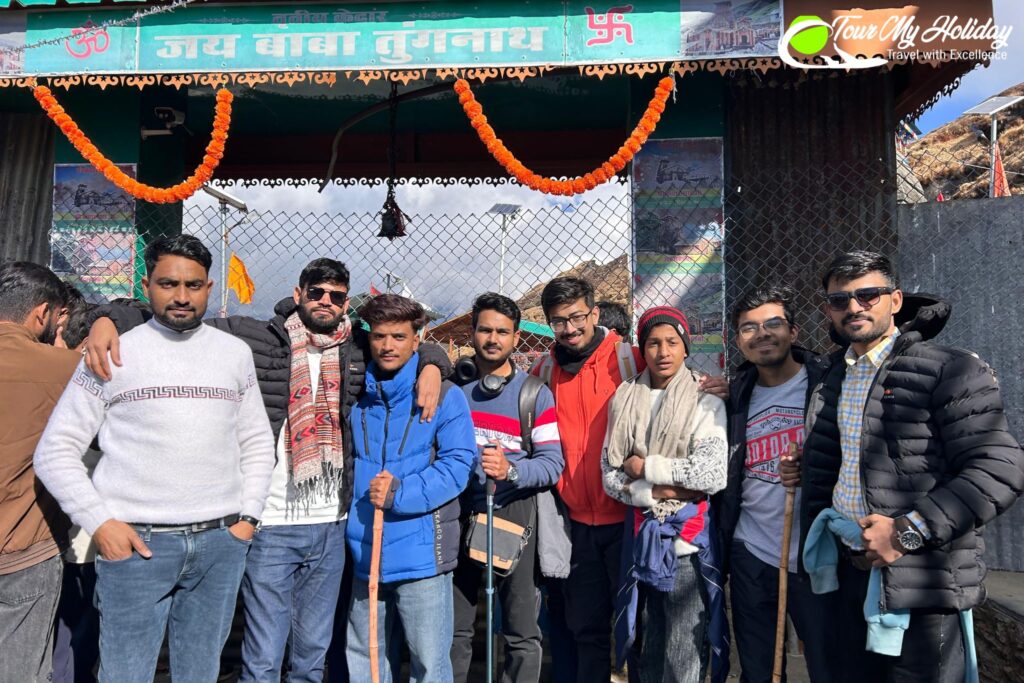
x,y
665,453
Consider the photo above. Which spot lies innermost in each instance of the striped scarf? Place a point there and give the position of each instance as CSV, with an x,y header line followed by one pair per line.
x,y
313,430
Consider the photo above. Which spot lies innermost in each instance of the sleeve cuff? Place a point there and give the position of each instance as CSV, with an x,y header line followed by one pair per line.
x,y
641,492
252,509
91,520
918,521
658,470
390,500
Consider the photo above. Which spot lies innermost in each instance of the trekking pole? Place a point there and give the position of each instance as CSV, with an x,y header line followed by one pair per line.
x,y
491,487
378,533
780,619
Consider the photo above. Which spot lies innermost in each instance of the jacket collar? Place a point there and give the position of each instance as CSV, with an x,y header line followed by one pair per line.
x,y
392,391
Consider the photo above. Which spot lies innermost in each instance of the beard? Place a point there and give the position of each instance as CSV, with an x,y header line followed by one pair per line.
x,y
319,326
875,331
49,333
178,324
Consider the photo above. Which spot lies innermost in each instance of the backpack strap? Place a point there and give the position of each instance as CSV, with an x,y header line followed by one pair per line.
x,y
544,369
627,361
528,410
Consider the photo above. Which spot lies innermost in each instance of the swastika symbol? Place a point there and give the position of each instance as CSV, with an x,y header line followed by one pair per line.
x,y
610,25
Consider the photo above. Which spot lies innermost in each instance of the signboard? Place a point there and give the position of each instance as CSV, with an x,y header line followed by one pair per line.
x,y
678,195
92,242
401,35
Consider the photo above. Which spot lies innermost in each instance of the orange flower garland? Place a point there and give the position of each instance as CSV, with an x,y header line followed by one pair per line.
x,y
603,173
156,195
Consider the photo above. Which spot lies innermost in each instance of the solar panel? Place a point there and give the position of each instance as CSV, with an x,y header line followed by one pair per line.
x,y
995,104
505,209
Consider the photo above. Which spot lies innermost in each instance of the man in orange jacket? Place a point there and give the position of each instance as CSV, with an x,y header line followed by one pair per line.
x,y
586,365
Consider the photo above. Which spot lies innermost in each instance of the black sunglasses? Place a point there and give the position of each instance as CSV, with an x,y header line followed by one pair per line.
x,y
865,296
317,293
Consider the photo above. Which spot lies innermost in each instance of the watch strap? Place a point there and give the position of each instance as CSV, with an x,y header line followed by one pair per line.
x,y
250,519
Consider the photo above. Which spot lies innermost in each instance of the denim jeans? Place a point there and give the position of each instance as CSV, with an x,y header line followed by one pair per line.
x,y
675,645
754,589
188,588
28,605
289,593
77,649
423,608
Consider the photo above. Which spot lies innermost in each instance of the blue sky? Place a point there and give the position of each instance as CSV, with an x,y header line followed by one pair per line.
x,y
982,83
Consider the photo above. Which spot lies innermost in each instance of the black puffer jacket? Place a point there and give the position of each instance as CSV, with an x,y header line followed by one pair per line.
x,y
272,355
728,502
935,439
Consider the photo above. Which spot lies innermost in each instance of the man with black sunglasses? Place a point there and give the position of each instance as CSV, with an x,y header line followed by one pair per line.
x,y
767,402
311,366
908,454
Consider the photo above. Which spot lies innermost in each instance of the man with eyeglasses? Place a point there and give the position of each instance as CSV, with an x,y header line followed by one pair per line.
x,y
311,366
908,454
767,400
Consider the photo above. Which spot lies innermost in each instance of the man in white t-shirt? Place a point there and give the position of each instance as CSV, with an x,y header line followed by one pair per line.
x,y
311,365
767,402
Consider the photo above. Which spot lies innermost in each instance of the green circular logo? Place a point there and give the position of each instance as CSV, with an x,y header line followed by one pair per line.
x,y
810,41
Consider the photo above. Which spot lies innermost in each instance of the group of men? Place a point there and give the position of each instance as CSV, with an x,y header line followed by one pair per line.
x,y
248,456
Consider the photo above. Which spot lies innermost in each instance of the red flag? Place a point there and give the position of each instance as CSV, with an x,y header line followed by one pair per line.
x,y
373,290
940,198
1001,187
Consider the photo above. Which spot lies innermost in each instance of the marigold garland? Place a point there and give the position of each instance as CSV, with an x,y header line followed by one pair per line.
x,y
156,195
588,181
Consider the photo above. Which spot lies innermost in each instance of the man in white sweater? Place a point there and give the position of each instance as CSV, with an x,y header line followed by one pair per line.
x,y
176,497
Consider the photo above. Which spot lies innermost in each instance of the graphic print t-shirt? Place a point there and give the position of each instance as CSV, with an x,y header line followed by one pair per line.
x,y
775,419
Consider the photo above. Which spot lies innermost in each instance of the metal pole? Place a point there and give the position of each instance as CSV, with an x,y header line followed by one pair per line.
x,y
224,259
501,262
992,152
491,485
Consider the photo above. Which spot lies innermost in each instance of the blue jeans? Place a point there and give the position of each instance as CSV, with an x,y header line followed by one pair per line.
x,y
188,588
289,593
424,610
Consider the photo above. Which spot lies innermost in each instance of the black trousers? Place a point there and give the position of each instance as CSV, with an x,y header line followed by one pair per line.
x,y
754,594
518,595
590,597
933,648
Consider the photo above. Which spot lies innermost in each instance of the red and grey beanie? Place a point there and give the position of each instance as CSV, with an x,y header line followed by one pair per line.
x,y
663,315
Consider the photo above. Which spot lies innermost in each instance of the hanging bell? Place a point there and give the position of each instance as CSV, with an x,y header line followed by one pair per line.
x,y
392,219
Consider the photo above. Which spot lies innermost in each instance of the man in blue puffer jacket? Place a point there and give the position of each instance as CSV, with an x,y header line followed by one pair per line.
x,y
415,472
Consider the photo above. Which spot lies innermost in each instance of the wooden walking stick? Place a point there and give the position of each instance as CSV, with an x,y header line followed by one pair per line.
x,y
378,533
780,620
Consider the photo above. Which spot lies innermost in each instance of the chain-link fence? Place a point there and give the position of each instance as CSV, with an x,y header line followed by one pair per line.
x,y
678,234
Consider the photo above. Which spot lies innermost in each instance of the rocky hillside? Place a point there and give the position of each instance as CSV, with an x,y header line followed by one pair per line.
x,y
610,281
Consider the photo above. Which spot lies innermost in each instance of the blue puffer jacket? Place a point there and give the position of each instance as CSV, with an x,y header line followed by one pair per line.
x,y
432,461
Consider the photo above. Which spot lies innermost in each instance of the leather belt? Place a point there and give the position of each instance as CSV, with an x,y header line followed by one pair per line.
x,y
222,522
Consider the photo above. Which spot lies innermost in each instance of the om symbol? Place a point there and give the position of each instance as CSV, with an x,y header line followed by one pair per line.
x,y
85,40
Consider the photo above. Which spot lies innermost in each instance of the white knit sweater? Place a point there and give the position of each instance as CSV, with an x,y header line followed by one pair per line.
x,y
182,427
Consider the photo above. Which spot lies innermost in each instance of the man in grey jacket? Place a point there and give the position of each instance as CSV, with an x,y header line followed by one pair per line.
x,y
186,466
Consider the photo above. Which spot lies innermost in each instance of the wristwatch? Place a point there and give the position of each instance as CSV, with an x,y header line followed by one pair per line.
x,y
907,535
513,474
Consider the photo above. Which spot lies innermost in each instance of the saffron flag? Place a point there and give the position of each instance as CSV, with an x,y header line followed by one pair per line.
x,y
239,280
373,290
1001,187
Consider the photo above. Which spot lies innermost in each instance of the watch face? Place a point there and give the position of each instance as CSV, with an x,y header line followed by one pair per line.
x,y
911,540
513,474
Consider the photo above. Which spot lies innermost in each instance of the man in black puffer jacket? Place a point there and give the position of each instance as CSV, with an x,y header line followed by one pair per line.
x,y
908,438
311,367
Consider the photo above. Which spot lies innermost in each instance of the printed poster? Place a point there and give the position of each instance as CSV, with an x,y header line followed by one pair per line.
x,y
736,28
678,219
12,37
93,240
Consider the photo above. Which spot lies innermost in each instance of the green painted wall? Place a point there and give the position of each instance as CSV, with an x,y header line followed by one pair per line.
x,y
698,110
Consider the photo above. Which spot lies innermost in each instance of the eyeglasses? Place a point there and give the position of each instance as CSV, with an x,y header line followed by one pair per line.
x,y
317,293
748,330
576,320
865,296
